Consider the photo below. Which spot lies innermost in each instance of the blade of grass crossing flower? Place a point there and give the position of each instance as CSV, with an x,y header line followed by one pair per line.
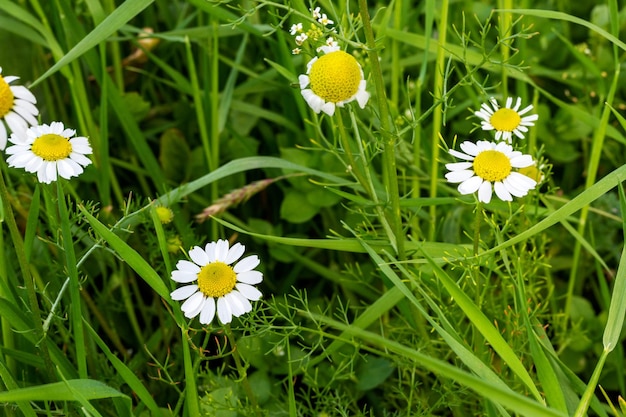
x,y
547,375
126,373
129,255
76,315
617,308
512,400
485,327
119,17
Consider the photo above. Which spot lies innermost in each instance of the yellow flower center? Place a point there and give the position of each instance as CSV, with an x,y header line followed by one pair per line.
x,y
492,165
165,214
532,172
216,279
52,147
335,76
6,97
505,120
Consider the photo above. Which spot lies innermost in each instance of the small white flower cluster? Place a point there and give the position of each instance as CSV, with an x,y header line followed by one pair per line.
x,y
315,33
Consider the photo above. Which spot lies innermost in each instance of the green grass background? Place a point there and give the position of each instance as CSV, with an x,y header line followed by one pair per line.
x,y
383,296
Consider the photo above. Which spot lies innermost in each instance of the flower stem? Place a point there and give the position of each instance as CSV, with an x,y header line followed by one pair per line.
x,y
18,244
477,219
354,167
390,173
242,371
191,390
76,314
440,67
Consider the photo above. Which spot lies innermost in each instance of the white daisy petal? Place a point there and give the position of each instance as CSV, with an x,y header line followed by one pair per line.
x,y
460,155
208,311
250,292
250,277
186,266
224,313
237,307
199,256
192,305
501,191
484,192
184,277
234,253
470,186
247,264
470,148
221,250
456,177
183,293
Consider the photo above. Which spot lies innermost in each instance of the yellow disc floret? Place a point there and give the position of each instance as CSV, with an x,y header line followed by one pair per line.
x,y
505,120
335,77
52,147
492,165
6,97
216,279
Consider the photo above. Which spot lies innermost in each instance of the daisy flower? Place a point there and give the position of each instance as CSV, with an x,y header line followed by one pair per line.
x,y
50,151
216,285
506,121
17,108
334,79
489,166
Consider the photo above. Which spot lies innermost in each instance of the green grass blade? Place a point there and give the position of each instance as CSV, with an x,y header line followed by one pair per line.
x,y
486,328
125,373
129,255
511,400
552,14
617,309
120,16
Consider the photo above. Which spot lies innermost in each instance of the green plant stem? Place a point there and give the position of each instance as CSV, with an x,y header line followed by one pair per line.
x,y
390,173
354,166
18,244
242,370
191,390
585,400
477,219
440,67
76,314
506,21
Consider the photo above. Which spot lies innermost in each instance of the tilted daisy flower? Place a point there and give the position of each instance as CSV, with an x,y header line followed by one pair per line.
x,y
17,108
334,79
489,166
50,151
216,285
506,121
